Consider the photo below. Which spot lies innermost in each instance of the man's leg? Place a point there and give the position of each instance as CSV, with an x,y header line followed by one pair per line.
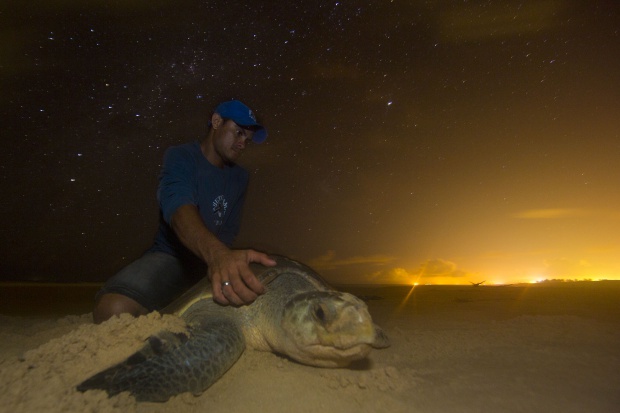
x,y
111,304
149,283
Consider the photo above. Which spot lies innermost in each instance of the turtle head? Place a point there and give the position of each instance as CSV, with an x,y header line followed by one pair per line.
x,y
329,329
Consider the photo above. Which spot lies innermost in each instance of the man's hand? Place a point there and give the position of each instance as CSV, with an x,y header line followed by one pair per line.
x,y
232,266
225,265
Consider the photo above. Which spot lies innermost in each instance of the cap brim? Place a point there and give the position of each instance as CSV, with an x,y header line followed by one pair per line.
x,y
260,135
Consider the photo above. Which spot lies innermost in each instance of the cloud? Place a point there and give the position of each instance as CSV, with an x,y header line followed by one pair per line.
x,y
328,261
386,269
440,268
435,271
550,213
393,276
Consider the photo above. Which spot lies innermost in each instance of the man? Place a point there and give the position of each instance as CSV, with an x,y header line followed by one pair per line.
x,y
201,193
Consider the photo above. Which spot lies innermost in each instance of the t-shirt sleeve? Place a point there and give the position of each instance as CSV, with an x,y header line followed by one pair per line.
x,y
175,182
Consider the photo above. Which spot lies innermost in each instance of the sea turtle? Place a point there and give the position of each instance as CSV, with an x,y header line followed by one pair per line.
x,y
299,317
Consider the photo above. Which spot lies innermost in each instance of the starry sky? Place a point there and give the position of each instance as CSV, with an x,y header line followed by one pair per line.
x,y
409,141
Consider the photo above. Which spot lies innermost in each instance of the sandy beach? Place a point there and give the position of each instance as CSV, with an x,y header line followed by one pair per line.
x,y
539,348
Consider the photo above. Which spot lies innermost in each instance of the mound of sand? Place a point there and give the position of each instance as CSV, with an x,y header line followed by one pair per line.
x,y
44,379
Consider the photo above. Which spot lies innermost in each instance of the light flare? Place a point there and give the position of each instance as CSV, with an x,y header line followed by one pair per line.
x,y
406,299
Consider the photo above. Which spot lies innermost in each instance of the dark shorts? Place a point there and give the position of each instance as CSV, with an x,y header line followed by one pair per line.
x,y
154,280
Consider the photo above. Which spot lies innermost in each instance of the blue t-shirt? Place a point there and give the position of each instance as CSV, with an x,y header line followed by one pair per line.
x,y
187,177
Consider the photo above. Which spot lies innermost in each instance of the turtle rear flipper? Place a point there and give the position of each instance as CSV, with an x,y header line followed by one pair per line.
x,y
169,364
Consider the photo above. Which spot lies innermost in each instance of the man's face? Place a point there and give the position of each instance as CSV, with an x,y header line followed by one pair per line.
x,y
230,140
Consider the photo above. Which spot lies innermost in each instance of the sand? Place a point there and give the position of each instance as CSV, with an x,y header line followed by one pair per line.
x,y
552,348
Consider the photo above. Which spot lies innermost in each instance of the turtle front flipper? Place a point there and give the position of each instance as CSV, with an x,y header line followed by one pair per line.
x,y
171,364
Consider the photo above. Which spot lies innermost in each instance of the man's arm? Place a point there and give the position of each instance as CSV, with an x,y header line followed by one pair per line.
x,y
224,264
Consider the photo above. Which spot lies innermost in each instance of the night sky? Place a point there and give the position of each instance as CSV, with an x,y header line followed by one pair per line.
x,y
409,141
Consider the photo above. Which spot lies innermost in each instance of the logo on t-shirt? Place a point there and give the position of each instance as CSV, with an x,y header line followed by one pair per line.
x,y
220,205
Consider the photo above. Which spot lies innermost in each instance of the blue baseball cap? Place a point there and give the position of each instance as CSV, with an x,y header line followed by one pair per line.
x,y
242,116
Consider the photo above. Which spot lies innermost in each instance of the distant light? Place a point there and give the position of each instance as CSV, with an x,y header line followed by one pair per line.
x,y
389,103
72,179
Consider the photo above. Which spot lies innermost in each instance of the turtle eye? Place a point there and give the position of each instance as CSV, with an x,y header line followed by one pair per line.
x,y
319,313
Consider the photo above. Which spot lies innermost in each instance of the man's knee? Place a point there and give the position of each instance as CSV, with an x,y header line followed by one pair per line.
x,y
112,304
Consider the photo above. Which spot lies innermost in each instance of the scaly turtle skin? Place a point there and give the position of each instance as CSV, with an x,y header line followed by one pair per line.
x,y
299,316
